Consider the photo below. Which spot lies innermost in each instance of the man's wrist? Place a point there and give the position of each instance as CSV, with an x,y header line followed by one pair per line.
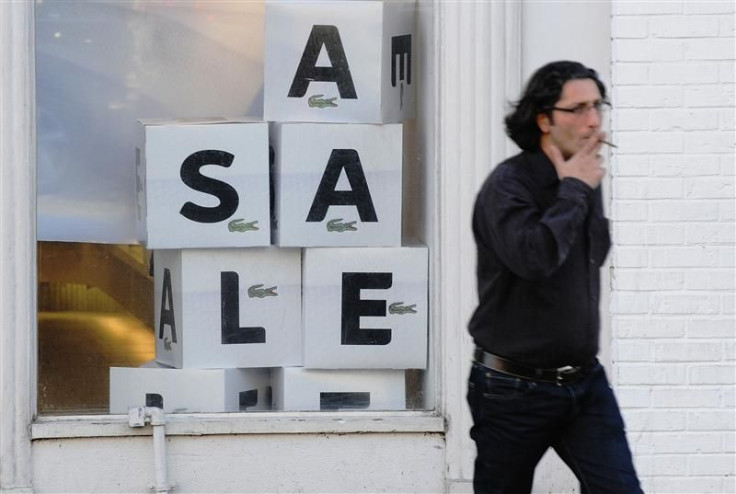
x,y
575,189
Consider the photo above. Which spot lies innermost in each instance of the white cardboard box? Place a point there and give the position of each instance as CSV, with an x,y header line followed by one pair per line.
x,y
203,183
337,184
340,61
298,389
190,390
365,308
223,308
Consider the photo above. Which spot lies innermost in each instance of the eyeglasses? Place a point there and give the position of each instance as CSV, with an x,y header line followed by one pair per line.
x,y
583,108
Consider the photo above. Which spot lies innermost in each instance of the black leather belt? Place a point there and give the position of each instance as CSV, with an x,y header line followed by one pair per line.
x,y
560,376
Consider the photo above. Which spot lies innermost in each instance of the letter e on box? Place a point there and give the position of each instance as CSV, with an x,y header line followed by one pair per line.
x,y
365,308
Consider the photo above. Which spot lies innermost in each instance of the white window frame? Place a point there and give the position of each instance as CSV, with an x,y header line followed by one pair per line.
x,y
474,64
17,244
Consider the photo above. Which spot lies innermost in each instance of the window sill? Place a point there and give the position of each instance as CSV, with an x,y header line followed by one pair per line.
x,y
243,423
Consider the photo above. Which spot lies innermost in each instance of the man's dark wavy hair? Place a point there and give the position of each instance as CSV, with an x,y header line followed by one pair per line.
x,y
541,93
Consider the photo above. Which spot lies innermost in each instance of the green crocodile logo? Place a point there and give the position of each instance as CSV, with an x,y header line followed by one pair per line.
x,y
336,226
239,226
398,308
317,101
257,291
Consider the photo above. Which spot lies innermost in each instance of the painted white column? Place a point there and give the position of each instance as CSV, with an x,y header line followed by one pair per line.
x,y
17,244
478,73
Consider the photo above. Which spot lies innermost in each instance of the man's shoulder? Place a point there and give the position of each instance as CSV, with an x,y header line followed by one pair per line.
x,y
516,166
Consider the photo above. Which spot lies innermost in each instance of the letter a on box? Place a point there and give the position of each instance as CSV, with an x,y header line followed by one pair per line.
x,y
339,61
337,185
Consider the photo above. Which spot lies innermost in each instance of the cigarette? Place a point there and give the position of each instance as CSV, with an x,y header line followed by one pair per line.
x,y
608,143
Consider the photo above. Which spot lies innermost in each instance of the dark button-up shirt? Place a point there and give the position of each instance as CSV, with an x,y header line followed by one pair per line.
x,y
541,243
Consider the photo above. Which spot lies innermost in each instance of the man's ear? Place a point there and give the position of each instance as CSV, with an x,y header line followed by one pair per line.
x,y
543,122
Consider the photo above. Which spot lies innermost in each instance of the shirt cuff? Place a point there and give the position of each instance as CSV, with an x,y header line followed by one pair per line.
x,y
575,190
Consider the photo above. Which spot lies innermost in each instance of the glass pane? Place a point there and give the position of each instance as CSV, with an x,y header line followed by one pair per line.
x,y
94,312
101,66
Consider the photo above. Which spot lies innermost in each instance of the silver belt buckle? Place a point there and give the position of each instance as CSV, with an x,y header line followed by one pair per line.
x,y
562,372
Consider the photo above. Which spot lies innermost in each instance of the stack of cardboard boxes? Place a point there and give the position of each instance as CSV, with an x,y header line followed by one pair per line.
x,y
280,277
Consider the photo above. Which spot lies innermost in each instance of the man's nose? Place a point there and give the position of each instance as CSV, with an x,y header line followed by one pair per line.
x,y
594,117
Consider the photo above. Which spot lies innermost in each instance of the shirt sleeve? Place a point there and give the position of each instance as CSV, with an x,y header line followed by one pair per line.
x,y
531,242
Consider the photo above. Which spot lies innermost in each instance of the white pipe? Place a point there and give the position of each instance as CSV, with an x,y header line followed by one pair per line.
x,y
158,422
138,417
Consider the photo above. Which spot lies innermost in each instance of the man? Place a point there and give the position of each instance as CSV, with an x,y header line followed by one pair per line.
x,y
541,237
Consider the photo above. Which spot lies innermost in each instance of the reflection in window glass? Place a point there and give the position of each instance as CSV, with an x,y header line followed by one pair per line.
x,y
100,66
94,312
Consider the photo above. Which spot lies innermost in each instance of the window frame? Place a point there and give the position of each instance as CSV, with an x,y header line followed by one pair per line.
x,y
17,242
74,426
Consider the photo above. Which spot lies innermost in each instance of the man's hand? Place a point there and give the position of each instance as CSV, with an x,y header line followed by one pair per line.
x,y
585,165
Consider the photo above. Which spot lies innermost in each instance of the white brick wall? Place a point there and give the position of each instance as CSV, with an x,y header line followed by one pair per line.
x,y
674,251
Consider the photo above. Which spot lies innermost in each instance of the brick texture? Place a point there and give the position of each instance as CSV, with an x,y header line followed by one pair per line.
x,y
673,264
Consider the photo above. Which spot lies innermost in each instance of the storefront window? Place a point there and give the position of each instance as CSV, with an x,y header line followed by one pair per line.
x,y
109,309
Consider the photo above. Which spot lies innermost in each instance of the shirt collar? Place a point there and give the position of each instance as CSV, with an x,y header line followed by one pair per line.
x,y
542,168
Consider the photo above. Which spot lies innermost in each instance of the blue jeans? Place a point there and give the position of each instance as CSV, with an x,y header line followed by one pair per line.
x,y
516,420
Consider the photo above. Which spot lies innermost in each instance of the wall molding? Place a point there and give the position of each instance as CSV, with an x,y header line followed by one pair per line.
x,y
17,244
247,423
